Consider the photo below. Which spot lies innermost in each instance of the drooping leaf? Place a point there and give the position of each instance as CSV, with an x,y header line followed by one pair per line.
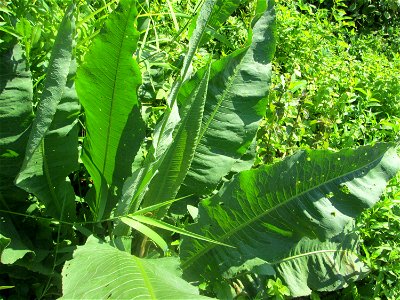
x,y
16,115
268,213
113,274
45,170
236,101
107,84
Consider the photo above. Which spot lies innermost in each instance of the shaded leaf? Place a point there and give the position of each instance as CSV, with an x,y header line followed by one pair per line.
x,y
16,114
323,266
12,244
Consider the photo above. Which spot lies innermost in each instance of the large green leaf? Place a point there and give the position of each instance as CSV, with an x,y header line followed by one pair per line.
x,y
107,84
109,273
236,101
15,113
48,164
268,213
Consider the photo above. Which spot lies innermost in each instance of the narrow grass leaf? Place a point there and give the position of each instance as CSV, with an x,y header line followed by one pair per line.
x,y
164,130
222,10
147,231
177,159
162,225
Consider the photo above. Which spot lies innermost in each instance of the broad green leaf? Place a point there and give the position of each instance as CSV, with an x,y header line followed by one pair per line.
x,y
107,84
45,169
204,18
147,231
267,213
136,185
178,157
236,101
109,273
4,242
15,113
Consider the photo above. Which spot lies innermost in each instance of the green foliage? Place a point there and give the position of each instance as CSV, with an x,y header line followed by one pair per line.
x,y
318,192
114,127
366,13
172,98
328,91
277,290
113,274
54,131
379,231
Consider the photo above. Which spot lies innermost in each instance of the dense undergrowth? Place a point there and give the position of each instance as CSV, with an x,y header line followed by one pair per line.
x,y
335,84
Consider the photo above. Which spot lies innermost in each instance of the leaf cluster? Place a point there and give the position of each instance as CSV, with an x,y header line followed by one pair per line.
x,y
132,155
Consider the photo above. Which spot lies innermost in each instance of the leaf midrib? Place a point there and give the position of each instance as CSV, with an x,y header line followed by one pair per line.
x,y
145,278
227,235
105,160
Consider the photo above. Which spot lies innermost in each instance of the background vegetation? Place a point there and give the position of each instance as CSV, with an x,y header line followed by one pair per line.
x,y
336,84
